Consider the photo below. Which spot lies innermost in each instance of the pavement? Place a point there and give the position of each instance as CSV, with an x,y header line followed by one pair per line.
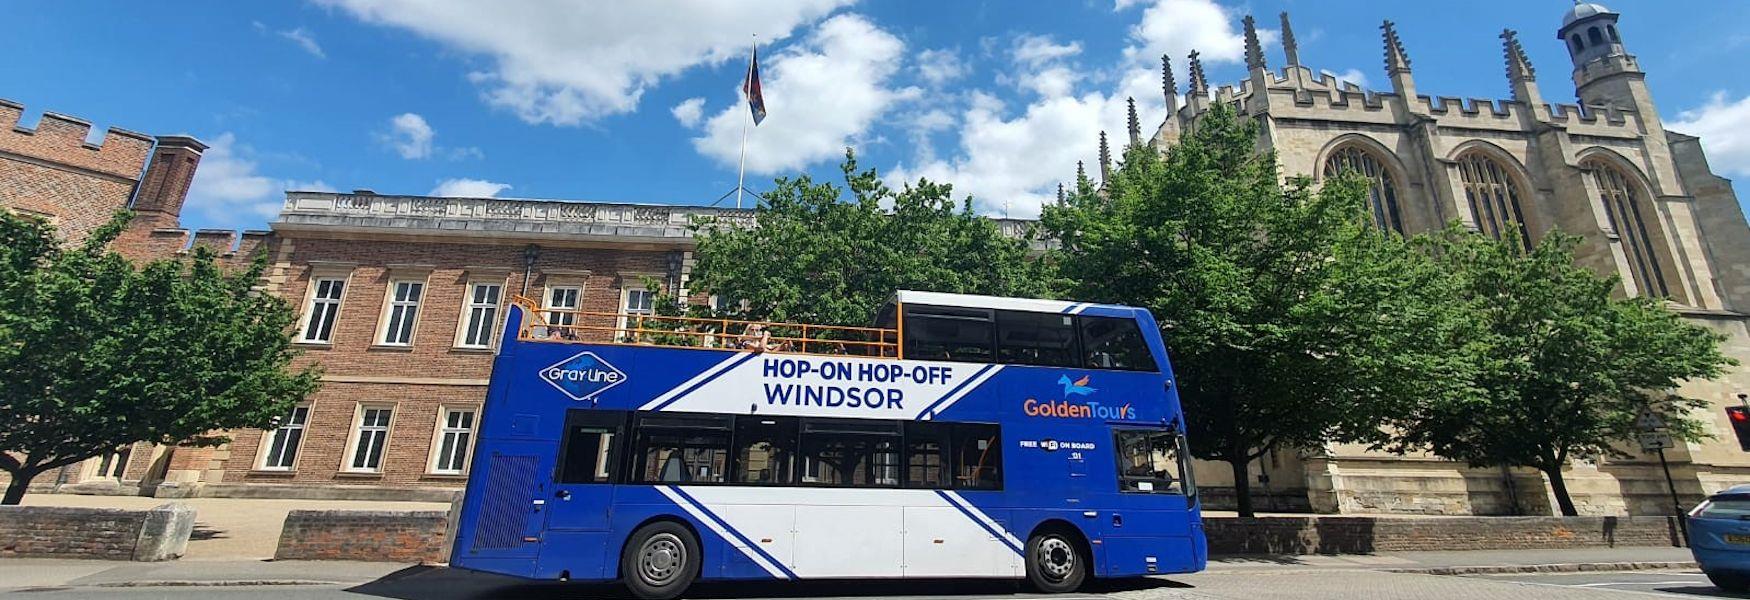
x,y
228,528
1541,574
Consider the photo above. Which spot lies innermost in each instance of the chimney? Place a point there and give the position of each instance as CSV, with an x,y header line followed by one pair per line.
x,y
165,187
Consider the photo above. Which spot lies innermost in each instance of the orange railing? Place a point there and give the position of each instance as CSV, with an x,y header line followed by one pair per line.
x,y
581,326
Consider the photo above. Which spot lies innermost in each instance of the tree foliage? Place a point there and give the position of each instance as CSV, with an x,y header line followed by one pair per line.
x,y
1291,321
816,256
1558,367
97,353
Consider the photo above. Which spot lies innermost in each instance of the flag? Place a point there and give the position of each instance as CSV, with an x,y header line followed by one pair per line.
x,y
756,101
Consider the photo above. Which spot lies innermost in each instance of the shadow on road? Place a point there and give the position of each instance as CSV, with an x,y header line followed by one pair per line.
x,y
1702,591
436,583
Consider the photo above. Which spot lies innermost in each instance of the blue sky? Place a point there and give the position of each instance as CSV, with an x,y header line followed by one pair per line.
x,y
638,102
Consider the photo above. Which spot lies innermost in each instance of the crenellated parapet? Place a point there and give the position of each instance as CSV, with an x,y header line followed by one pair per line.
x,y
61,141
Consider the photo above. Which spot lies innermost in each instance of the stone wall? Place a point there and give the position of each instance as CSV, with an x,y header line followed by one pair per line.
x,y
373,535
1360,535
101,533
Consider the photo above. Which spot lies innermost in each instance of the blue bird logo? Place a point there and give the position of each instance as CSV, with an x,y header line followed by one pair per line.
x,y
1078,387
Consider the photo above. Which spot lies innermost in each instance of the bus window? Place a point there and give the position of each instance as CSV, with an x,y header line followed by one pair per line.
x,y
682,449
926,454
591,446
1115,343
847,453
978,457
1031,338
947,333
765,450
1149,460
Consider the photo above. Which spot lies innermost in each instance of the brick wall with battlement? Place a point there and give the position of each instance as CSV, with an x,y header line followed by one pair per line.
x,y
51,171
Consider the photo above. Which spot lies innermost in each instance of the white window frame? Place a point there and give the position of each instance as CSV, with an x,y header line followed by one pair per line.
x,y
390,306
311,299
356,436
625,308
443,430
547,303
465,324
268,439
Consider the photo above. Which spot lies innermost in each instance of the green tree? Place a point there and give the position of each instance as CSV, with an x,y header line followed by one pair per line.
x,y
1559,368
815,256
97,353
1290,320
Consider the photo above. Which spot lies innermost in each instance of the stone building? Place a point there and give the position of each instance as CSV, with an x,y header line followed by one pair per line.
x,y
400,296
1644,201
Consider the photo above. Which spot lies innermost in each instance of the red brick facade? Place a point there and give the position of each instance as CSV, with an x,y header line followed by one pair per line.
x,y
52,173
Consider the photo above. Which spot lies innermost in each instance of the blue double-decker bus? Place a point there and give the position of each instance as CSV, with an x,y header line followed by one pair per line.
x,y
960,436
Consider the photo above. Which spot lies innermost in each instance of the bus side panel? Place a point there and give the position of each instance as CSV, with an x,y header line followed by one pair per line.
x,y
583,555
722,559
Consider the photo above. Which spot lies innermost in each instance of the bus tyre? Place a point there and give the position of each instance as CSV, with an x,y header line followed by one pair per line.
x,y
660,560
1054,564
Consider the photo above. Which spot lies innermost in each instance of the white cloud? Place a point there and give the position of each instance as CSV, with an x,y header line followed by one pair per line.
x,y
937,67
689,111
820,96
1010,159
228,188
574,62
1354,76
1176,27
303,39
468,188
1036,50
410,135
1724,128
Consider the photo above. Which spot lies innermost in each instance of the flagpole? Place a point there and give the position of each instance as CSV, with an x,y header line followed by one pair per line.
x,y
741,171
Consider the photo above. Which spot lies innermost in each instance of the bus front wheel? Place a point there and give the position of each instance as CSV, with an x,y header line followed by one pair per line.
x,y
660,560
1054,564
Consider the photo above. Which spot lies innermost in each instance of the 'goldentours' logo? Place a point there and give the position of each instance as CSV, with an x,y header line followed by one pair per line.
x,y
583,376
1076,410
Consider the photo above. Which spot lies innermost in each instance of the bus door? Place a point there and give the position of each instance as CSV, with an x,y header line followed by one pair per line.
x,y
582,498
508,512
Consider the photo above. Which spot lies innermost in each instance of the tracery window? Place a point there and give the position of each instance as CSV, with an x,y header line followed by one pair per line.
x,y
1622,205
1493,196
1382,189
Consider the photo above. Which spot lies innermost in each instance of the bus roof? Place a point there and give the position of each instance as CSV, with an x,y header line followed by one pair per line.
x,y
998,302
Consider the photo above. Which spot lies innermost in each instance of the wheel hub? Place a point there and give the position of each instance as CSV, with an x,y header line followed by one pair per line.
x,y
1056,558
661,559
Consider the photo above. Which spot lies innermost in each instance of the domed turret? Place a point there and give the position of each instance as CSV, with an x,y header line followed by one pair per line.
x,y
1583,10
1589,30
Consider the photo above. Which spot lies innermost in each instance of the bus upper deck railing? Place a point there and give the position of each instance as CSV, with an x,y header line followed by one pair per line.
x,y
590,327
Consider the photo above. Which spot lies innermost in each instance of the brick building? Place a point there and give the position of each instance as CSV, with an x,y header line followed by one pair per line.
x,y
400,296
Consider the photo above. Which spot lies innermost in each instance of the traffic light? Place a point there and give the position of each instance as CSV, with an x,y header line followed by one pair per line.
x,y
1740,418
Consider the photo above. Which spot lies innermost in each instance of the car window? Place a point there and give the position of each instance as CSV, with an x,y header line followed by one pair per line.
x,y
1725,508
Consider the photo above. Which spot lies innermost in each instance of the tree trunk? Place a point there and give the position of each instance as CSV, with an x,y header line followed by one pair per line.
x,y
15,489
1563,501
1242,485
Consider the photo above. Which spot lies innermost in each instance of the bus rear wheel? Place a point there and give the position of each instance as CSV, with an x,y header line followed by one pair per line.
x,y
1054,564
660,560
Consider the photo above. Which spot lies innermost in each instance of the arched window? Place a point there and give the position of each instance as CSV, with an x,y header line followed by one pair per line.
x,y
1492,195
1578,46
1622,205
1382,190
1593,36
1612,30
